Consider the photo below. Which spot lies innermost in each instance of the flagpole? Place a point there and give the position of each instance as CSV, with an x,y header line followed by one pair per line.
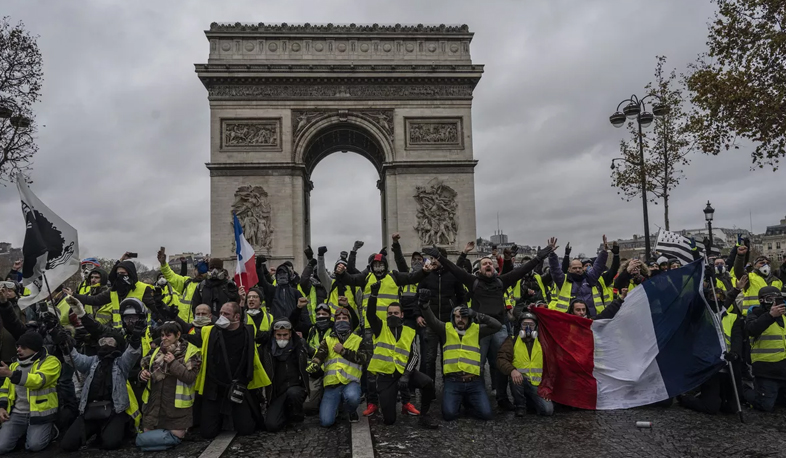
x,y
718,324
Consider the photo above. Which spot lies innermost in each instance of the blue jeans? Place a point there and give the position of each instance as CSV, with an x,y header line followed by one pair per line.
x,y
489,346
474,392
526,392
18,425
764,393
331,399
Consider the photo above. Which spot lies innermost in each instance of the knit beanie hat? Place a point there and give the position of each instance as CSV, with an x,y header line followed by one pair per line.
x,y
216,263
32,340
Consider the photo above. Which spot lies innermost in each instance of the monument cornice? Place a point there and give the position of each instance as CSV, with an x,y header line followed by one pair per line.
x,y
218,169
226,69
342,29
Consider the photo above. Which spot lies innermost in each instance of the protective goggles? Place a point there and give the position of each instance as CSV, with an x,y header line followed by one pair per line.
x,y
107,341
279,325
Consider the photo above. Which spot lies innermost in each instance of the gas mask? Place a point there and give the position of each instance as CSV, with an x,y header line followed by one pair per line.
x,y
720,270
529,331
216,274
86,269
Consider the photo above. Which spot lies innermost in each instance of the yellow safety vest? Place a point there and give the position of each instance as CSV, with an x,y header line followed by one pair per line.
x,y
339,371
85,289
543,290
133,407
562,301
312,302
388,293
602,295
755,283
461,354
334,294
173,299
728,322
117,319
41,386
264,325
259,380
530,365
770,346
390,355
184,393
185,286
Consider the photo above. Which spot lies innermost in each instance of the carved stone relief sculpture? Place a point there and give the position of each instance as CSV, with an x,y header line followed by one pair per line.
x,y
249,133
254,213
434,133
436,214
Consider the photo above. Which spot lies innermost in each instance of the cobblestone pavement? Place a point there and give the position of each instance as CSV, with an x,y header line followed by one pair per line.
x,y
307,439
675,432
192,446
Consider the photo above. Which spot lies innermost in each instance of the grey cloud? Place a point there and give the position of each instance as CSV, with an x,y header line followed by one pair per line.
x,y
126,138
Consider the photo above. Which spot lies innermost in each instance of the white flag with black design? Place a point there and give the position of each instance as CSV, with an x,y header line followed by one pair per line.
x,y
51,247
676,246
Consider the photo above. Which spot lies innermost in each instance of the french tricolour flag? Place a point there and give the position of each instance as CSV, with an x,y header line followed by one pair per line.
x,y
245,266
663,342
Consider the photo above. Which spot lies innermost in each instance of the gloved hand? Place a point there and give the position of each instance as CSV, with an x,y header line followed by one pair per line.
x,y
358,245
424,297
322,250
76,306
259,260
60,336
730,356
433,252
309,253
136,334
544,252
615,248
514,249
706,242
567,249
312,262
343,255
468,312
403,382
375,288
312,367
158,296
384,251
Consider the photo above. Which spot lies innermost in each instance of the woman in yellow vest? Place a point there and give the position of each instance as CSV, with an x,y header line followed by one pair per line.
x,y
105,413
521,358
170,373
344,354
28,396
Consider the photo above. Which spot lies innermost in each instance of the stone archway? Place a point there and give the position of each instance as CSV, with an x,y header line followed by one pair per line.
x,y
283,97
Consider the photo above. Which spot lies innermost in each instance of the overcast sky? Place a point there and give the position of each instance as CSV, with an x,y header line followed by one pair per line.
x,y
126,138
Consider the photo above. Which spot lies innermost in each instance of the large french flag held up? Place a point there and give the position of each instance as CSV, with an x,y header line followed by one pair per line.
x,y
663,342
245,265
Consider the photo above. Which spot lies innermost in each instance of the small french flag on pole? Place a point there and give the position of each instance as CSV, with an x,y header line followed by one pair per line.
x,y
245,266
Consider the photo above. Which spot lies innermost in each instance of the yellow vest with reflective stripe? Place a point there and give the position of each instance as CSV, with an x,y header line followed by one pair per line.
x,y
259,380
728,322
312,302
133,408
461,354
183,311
184,393
264,325
41,386
530,365
391,356
117,320
770,346
562,302
334,295
543,290
602,295
751,295
339,371
388,293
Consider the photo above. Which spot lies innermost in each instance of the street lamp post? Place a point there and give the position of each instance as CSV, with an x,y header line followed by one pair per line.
x,y
709,213
637,108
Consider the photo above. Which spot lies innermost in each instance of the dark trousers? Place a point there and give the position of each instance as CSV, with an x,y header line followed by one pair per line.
x,y
66,394
764,393
369,380
213,416
287,407
717,395
429,347
110,432
387,388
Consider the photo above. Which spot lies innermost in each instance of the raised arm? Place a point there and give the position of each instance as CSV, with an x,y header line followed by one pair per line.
x,y
461,275
511,278
598,267
322,272
608,276
353,255
398,255
436,326
373,319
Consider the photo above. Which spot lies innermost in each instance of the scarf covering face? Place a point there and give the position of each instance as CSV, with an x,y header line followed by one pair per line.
x,y
160,369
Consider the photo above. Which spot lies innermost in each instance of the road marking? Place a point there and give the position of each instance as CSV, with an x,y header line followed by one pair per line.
x,y
361,437
219,444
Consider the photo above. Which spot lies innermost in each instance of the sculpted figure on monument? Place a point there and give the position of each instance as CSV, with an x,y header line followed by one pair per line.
x,y
436,213
253,211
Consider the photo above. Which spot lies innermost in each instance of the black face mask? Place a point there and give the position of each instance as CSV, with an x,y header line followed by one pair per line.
x,y
108,351
323,323
575,278
282,279
394,322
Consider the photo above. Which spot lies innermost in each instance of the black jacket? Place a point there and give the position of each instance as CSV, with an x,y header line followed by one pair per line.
x,y
758,320
265,354
215,293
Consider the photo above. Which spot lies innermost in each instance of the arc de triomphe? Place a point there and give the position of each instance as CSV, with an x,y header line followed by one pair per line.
x,y
283,97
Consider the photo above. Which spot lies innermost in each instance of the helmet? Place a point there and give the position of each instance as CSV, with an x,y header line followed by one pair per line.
x,y
132,306
528,316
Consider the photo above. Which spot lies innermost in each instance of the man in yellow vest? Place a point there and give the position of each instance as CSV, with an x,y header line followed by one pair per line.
x,y
314,337
336,289
185,286
460,340
767,330
125,283
231,373
394,362
344,354
28,396
760,277
579,282
521,357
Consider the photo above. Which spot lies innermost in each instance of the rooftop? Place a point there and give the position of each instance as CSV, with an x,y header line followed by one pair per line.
x,y
330,28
